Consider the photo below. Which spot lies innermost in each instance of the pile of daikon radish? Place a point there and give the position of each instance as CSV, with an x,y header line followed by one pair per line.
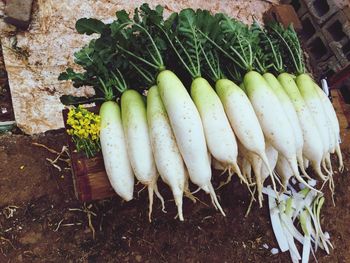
x,y
247,106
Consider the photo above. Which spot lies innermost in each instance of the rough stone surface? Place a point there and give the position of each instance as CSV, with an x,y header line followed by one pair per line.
x,y
337,28
18,12
302,8
317,47
323,10
330,64
310,27
47,49
342,3
338,51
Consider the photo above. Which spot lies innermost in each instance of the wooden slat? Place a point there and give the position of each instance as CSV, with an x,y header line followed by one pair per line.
x,y
89,176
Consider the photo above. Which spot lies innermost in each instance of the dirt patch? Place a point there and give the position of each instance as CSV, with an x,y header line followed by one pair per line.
x,y
41,221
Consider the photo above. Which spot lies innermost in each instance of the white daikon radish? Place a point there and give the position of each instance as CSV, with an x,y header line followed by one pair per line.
x,y
188,130
330,112
138,143
220,138
306,87
313,146
166,153
291,114
242,119
114,151
273,120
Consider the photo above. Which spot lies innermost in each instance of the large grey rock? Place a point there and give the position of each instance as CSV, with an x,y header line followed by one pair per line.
x,y
18,12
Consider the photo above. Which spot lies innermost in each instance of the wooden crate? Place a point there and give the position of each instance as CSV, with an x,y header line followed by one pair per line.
x,y
89,176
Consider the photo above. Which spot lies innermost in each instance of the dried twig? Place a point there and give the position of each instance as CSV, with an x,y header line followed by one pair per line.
x,y
47,148
58,157
72,224
67,224
64,150
89,214
58,225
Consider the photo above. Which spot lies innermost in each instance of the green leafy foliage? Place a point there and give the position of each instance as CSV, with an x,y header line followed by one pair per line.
x,y
89,26
134,49
141,42
73,100
241,42
287,41
269,54
100,60
78,79
71,74
188,33
188,41
264,52
208,26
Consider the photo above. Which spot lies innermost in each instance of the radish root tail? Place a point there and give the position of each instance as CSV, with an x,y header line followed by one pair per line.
x,y
300,160
160,197
295,170
150,206
340,158
178,202
214,199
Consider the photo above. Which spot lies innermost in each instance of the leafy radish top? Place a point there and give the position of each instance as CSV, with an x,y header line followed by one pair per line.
x,y
195,42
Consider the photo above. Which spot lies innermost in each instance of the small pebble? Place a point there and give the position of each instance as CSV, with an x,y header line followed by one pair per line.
x,y
138,258
326,235
312,182
274,251
265,246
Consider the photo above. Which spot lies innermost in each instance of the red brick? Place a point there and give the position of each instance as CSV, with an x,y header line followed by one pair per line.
x,y
18,12
299,6
285,14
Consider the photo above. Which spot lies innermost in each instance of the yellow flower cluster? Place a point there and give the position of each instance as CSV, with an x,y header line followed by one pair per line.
x,y
84,124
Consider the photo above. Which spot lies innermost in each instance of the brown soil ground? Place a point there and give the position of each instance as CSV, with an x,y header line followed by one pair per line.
x,y
44,228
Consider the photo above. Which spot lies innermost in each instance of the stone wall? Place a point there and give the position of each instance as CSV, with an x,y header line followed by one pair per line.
x,y
35,58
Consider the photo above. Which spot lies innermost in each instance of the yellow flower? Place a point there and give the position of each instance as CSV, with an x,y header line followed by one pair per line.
x,y
87,122
84,126
71,113
70,122
79,115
